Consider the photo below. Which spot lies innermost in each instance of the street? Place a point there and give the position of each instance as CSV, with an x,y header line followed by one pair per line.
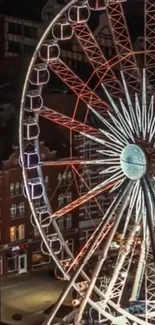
x,y
29,296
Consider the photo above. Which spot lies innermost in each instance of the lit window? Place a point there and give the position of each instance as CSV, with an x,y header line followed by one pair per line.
x,y
59,177
21,208
12,189
69,175
13,210
17,188
68,221
60,200
13,233
61,223
69,197
21,232
38,258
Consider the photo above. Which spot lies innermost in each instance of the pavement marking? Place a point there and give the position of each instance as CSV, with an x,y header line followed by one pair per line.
x,y
9,286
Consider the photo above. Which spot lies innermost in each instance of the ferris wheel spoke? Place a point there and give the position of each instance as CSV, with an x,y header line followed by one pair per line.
x,y
118,135
104,253
149,42
149,204
124,124
99,234
120,273
78,86
66,121
123,45
97,59
83,199
117,148
130,106
81,162
130,219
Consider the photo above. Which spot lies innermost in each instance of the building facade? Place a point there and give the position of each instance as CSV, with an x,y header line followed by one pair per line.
x,y
20,243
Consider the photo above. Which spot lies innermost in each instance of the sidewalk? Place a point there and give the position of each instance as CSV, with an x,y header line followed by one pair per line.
x,y
29,295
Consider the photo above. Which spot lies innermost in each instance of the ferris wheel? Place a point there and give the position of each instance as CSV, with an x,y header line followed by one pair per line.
x,y
122,103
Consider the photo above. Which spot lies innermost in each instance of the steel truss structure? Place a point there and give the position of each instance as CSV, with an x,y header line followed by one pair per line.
x,y
124,134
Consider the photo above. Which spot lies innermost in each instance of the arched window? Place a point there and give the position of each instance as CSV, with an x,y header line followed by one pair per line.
x,y
70,243
64,177
60,200
21,208
12,189
69,197
69,175
17,188
68,221
46,181
59,177
60,222
13,210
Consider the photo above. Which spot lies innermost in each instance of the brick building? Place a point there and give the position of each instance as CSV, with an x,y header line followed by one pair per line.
x,y
19,240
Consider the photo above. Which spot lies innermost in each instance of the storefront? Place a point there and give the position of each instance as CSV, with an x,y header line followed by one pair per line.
x,y
17,260
39,259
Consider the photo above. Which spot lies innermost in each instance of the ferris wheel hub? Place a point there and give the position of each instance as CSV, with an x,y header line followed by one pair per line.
x,y
133,161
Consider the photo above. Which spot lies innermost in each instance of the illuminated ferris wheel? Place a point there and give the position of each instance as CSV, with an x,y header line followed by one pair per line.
x,y
126,135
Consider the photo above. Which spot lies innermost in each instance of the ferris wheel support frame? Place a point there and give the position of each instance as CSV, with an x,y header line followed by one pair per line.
x,y
97,59
149,41
123,45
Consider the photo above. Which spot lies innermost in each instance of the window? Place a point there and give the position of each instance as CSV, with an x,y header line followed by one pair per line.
x,y
12,264
15,47
68,221
13,210
64,177
69,175
13,233
61,223
38,258
30,32
17,233
46,181
101,203
38,203
59,177
21,208
21,232
36,232
87,150
14,28
1,265
12,189
60,200
28,48
63,254
17,188
69,197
